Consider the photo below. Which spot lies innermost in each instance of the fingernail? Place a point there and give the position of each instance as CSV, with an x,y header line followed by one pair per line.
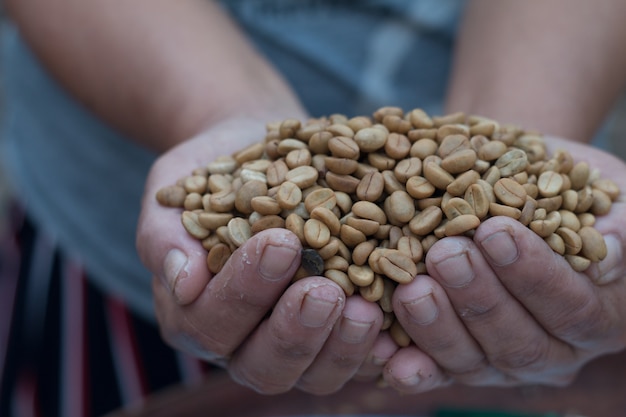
x,y
353,331
501,248
455,270
174,267
422,310
318,305
276,261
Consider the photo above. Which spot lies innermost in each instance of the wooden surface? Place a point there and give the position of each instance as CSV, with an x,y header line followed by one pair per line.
x,y
599,391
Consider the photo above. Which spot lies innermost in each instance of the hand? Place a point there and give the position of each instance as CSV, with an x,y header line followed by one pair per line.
x,y
503,309
270,335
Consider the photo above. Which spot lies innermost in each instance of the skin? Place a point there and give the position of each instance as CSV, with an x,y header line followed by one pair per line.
x,y
311,336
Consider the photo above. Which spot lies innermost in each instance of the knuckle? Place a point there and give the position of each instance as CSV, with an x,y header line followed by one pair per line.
x,y
345,362
438,344
529,357
291,349
478,311
587,322
484,307
184,335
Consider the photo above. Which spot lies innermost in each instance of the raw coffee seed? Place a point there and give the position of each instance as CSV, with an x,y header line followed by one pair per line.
x,y
496,209
316,233
478,199
370,139
420,120
461,224
322,197
512,162
289,195
341,166
271,221
397,266
171,196
456,207
510,192
344,147
373,292
370,187
436,175
265,205
336,262
327,217
362,251
550,183
365,226
217,257
330,249
593,245
419,187
312,262
239,231
399,335
192,225
360,275
303,177
245,194
368,196
411,246
462,182
407,168
426,221
341,278
193,201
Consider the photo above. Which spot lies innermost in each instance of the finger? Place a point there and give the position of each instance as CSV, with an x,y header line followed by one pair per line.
x,y
411,371
346,348
383,349
171,319
163,244
512,340
276,355
565,302
237,299
423,309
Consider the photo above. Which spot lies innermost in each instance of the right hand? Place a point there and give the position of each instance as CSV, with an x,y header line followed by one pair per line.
x,y
270,334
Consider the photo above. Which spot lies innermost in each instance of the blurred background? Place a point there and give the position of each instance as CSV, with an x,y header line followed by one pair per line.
x,y
4,191
618,130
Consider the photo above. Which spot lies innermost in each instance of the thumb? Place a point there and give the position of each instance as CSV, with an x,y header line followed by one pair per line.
x,y
163,244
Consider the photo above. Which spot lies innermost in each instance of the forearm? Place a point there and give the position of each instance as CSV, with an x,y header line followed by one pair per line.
x,y
553,65
158,70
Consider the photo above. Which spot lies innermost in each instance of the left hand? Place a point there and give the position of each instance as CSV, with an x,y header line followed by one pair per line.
x,y
503,309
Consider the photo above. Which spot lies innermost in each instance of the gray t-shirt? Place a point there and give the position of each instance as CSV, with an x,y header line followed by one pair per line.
x,y
82,181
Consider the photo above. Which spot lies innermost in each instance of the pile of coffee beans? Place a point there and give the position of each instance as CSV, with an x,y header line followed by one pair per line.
x,y
369,195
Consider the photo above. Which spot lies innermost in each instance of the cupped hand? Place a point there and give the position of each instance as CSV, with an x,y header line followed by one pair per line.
x,y
270,334
503,309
